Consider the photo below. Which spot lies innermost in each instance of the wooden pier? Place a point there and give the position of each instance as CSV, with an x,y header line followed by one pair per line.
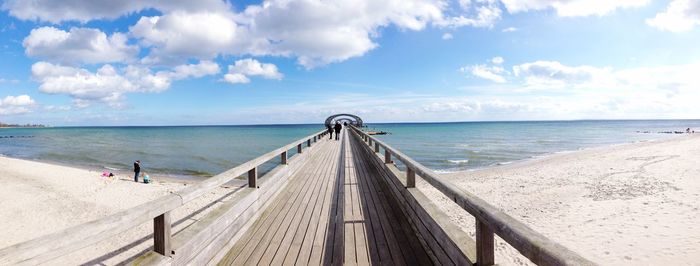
x,y
332,203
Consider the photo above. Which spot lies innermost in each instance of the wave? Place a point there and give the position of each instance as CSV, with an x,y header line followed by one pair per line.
x,y
465,161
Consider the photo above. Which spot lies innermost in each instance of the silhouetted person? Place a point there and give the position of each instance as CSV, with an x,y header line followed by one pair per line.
x,y
137,170
337,128
330,131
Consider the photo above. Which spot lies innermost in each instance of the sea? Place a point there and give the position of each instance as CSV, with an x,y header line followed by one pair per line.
x,y
196,152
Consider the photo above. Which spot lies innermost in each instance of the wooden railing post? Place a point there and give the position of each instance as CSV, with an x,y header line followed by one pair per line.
x,y
387,156
283,158
376,147
253,177
484,244
370,142
162,234
299,150
308,143
410,178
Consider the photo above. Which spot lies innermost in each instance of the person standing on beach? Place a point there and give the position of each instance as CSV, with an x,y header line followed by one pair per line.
x,y
337,130
330,131
137,170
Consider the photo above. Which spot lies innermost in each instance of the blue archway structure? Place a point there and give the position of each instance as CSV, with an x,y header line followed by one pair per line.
x,y
349,118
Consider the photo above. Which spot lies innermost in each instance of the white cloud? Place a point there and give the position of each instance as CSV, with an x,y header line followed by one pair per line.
x,y
679,16
79,45
510,29
203,68
16,104
179,36
447,36
497,60
107,84
492,73
549,74
485,14
572,8
241,69
87,10
316,33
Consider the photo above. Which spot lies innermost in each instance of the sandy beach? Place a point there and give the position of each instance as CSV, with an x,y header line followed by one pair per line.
x,y
629,204
40,198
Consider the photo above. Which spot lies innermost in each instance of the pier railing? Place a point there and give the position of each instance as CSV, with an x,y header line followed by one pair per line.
x,y
194,240
489,219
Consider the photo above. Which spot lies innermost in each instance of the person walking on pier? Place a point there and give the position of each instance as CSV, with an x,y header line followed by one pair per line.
x,y
330,131
337,130
137,170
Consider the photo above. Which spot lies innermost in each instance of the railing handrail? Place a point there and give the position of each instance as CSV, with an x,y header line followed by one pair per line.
x,y
54,245
531,244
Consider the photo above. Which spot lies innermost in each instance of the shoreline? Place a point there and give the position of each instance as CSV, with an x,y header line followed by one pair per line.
x,y
43,198
545,155
623,204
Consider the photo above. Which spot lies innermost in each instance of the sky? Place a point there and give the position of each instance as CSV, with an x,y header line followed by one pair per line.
x,y
213,62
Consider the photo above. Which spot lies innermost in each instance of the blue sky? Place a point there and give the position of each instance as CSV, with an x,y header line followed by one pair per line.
x,y
298,61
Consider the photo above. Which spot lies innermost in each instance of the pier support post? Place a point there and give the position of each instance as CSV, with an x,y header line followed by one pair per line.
x,y
410,178
253,178
387,156
308,143
376,147
283,158
299,150
484,245
162,234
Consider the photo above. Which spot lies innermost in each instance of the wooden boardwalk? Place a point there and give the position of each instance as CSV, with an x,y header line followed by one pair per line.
x,y
333,211
330,203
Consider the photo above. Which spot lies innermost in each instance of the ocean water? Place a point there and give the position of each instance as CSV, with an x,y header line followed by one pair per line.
x,y
188,151
450,147
202,151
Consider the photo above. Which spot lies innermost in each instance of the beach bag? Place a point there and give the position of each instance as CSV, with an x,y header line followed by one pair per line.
x,y
146,179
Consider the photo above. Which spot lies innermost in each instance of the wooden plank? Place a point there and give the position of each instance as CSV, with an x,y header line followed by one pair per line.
x,y
240,252
223,221
447,242
380,251
297,229
319,222
300,249
336,251
397,188
403,249
484,245
357,220
265,254
324,243
162,234
533,245
151,258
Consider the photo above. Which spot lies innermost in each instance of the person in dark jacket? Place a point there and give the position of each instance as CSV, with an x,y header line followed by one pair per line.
x,y
338,127
330,131
137,170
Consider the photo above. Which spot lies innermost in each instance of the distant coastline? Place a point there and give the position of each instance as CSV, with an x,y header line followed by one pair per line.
x,y
3,125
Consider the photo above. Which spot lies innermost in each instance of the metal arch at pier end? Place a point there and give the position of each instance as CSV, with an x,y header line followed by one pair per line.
x,y
353,119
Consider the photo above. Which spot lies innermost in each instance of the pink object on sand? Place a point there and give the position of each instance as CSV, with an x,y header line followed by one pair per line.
x,y
105,174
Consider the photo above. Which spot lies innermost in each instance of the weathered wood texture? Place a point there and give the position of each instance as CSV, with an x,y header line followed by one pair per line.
x,y
62,243
531,244
436,233
162,234
334,213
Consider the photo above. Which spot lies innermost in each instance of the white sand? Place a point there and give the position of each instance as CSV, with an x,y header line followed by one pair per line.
x,y
39,198
631,204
